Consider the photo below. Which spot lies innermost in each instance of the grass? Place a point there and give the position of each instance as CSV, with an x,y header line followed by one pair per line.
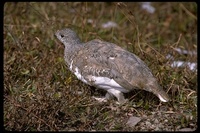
x,y
40,93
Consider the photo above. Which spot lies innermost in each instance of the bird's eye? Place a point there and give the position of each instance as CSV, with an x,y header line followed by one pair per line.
x,y
62,35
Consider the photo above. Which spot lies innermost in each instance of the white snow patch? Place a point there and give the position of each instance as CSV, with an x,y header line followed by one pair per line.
x,y
182,51
109,24
192,66
147,6
169,56
90,21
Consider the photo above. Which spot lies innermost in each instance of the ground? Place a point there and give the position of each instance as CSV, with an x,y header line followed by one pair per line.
x,y
41,94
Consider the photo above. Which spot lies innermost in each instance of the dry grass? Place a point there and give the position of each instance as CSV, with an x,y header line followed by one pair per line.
x,y
40,93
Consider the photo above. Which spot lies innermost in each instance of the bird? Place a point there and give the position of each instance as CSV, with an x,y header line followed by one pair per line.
x,y
107,66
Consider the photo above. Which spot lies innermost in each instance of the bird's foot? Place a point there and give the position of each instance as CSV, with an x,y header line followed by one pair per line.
x,y
122,102
103,99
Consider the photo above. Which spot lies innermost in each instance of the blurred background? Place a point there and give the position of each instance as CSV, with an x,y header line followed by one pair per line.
x,y
40,93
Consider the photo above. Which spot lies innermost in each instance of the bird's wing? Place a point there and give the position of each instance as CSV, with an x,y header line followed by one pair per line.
x,y
106,59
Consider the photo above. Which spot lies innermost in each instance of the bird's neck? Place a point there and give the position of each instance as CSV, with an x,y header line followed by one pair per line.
x,y
71,51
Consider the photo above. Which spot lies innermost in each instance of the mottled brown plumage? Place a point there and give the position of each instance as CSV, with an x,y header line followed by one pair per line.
x,y
108,66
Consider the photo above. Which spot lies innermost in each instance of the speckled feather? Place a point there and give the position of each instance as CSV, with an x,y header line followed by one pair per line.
x,y
96,59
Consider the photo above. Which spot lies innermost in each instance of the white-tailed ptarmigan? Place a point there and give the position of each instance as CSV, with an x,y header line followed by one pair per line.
x,y
107,66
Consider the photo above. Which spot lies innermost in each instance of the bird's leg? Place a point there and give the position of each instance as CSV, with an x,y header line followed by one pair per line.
x,y
119,95
108,96
104,99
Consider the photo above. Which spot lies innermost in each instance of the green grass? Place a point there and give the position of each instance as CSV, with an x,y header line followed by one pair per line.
x,y
41,94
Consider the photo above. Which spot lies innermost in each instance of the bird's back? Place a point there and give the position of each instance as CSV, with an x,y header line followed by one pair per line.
x,y
106,59
108,66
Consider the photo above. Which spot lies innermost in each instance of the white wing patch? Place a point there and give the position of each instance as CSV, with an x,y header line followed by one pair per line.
x,y
161,98
101,82
112,58
107,83
79,76
70,67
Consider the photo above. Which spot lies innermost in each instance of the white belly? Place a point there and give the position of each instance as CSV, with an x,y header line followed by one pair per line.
x,y
107,83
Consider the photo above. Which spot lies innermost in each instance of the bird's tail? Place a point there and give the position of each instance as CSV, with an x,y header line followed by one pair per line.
x,y
159,92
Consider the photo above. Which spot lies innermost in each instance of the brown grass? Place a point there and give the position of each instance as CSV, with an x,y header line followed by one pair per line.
x,y
40,93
